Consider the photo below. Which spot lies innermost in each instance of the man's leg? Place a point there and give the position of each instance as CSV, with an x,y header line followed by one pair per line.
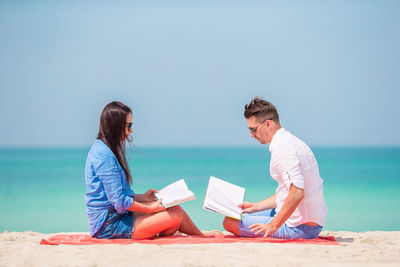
x,y
231,225
240,228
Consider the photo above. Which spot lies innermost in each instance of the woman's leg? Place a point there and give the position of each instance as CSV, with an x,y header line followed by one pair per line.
x,y
187,225
166,223
149,225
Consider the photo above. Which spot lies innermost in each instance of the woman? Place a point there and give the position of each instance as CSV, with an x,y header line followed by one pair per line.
x,y
113,209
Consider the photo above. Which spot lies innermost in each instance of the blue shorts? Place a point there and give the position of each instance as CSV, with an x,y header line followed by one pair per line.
x,y
284,232
116,225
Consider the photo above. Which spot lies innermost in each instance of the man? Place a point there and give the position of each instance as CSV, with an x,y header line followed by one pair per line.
x,y
298,208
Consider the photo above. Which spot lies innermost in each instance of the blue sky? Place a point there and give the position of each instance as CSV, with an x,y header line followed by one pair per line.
x,y
187,68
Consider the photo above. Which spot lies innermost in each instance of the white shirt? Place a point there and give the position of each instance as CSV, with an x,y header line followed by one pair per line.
x,y
293,162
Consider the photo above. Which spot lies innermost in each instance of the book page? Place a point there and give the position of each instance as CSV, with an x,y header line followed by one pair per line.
x,y
216,207
234,192
224,197
217,201
175,193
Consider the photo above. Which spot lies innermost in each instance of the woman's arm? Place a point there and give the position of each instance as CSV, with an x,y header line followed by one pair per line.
x,y
146,197
149,207
106,169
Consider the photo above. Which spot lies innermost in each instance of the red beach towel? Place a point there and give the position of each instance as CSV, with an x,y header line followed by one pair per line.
x,y
176,239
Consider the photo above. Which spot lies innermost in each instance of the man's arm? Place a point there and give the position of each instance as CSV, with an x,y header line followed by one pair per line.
x,y
266,204
292,201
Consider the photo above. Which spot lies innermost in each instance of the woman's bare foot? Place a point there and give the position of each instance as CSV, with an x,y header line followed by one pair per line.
x,y
214,233
180,233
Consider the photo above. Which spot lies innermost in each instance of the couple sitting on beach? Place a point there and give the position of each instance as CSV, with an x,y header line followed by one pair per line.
x,y
296,210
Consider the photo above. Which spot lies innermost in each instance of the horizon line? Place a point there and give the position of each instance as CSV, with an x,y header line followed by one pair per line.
x,y
189,146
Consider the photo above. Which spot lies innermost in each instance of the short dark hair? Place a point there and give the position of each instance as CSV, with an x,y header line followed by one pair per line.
x,y
261,109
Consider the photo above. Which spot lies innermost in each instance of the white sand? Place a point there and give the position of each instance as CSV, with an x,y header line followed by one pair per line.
x,y
362,249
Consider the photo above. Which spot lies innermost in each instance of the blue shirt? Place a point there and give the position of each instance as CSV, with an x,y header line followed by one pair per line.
x,y
106,186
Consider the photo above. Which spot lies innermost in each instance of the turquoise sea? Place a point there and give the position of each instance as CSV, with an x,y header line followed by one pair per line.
x,y
43,189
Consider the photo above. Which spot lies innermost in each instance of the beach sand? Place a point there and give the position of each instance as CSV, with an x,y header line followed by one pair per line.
x,y
360,249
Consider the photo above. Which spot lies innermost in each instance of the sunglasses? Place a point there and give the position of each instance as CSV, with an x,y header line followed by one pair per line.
x,y
254,130
129,125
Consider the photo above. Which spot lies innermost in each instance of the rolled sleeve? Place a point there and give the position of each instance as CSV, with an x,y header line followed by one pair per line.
x,y
107,171
131,193
291,169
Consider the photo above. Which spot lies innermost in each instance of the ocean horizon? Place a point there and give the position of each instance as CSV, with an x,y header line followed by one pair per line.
x,y
42,188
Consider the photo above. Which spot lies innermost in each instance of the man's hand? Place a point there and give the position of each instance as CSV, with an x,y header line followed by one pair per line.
x,y
149,195
267,229
248,207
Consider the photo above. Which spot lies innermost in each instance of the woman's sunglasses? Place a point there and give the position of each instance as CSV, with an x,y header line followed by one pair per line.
x,y
129,126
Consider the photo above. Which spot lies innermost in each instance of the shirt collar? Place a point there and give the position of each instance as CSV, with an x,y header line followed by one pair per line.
x,y
275,138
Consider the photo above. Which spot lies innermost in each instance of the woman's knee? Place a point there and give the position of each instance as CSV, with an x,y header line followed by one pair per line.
x,y
175,214
176,208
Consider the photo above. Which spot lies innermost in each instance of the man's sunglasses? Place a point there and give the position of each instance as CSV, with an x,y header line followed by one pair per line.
x,y
254,130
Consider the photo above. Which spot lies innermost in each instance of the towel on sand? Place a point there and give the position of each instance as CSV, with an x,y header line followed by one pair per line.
x,y
178,239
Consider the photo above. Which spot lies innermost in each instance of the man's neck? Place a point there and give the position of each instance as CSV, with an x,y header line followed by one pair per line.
x,y
274,130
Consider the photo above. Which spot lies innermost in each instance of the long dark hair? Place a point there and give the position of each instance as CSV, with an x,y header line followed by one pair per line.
x,y
112,132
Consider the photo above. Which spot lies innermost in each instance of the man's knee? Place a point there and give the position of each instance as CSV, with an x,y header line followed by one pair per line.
x,y
231,225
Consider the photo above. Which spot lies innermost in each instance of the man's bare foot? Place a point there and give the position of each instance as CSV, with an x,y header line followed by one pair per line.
x,y
214,233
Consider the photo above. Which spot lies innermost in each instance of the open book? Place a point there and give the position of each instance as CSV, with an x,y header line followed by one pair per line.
x,y
175,194
224,198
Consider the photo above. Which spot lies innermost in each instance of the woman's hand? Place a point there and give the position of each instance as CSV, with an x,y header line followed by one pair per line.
x,y
147,207
248,207
155,206
149,196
